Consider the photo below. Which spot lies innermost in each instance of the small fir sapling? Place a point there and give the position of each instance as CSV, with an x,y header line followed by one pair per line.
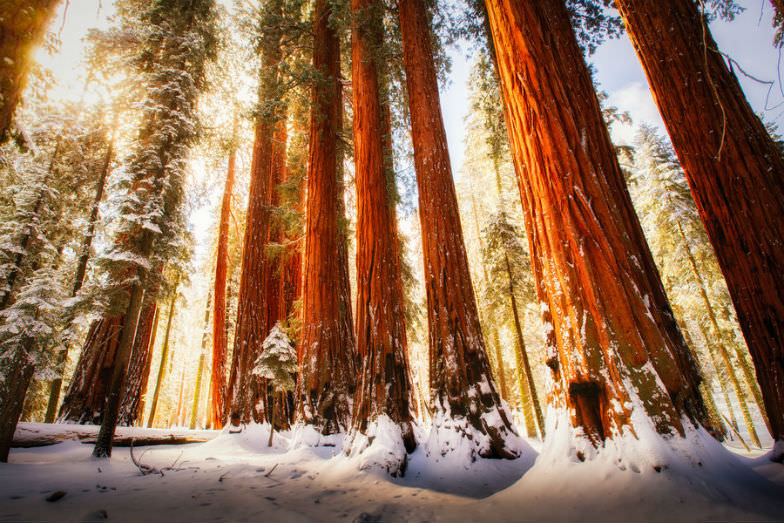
x,y
278,364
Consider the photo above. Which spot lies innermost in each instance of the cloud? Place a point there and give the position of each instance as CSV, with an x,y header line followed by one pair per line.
x,y
636,99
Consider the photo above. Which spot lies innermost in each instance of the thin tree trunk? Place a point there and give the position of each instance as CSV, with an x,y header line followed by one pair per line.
x,y
496,348
327,351
461,381
81,269
13,389
522,352
598,286
734,170
164,361
103,443
22,27
219,342
384,380
717,335
205,339
139,421
719,375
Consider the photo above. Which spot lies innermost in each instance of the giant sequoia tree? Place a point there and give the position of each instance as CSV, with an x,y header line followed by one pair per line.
x,y
326,352
734,170
259,288
384,389
615,353
462,388
175,41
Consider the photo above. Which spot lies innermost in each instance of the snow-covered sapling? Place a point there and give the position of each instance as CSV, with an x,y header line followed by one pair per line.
x,y
278,364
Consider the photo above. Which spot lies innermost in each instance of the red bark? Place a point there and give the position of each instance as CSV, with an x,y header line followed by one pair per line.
x,y
246,391
327,346
86,396
734,170
613,340
218,380
384,388
461,381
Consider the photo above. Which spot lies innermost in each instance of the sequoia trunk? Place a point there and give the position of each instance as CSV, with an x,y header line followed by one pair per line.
x,y
734,170
461,382
612,339
257,294
326,355
218,382
384,383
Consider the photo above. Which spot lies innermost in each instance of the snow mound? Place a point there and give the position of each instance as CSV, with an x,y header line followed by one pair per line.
x,y
645,477
455,437
379,448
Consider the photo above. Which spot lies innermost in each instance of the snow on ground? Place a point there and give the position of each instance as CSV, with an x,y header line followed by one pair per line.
x,y
236,477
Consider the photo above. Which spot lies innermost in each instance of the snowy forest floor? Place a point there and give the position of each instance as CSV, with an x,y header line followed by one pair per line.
x,y
236,477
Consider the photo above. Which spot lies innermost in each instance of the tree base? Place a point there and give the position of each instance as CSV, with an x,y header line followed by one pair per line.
x,y
384,445
484,435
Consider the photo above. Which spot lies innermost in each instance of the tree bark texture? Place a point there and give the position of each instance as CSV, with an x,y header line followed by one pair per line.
x,y
326,355
87,392
260,286
612,339
164,360
13,389
384,387
218,381
461,382
22,27
734,170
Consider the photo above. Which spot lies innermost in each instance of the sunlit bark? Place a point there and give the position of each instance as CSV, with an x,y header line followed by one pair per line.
x,y
384,384
461,383
613,342
326,354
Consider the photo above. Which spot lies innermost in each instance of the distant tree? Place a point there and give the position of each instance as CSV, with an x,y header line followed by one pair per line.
x,y
151,227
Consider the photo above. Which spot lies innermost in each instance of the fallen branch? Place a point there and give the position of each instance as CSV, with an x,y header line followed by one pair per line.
x,y
144,469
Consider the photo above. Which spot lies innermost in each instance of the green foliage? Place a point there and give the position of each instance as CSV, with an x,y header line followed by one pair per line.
x,y
676,236
507,262
278,360
173,42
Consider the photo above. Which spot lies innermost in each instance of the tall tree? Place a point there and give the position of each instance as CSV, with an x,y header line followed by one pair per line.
x,y
81,270
614,349
384,389
327,347
259,291
734,169
461,383
177,40
22,27
219,344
